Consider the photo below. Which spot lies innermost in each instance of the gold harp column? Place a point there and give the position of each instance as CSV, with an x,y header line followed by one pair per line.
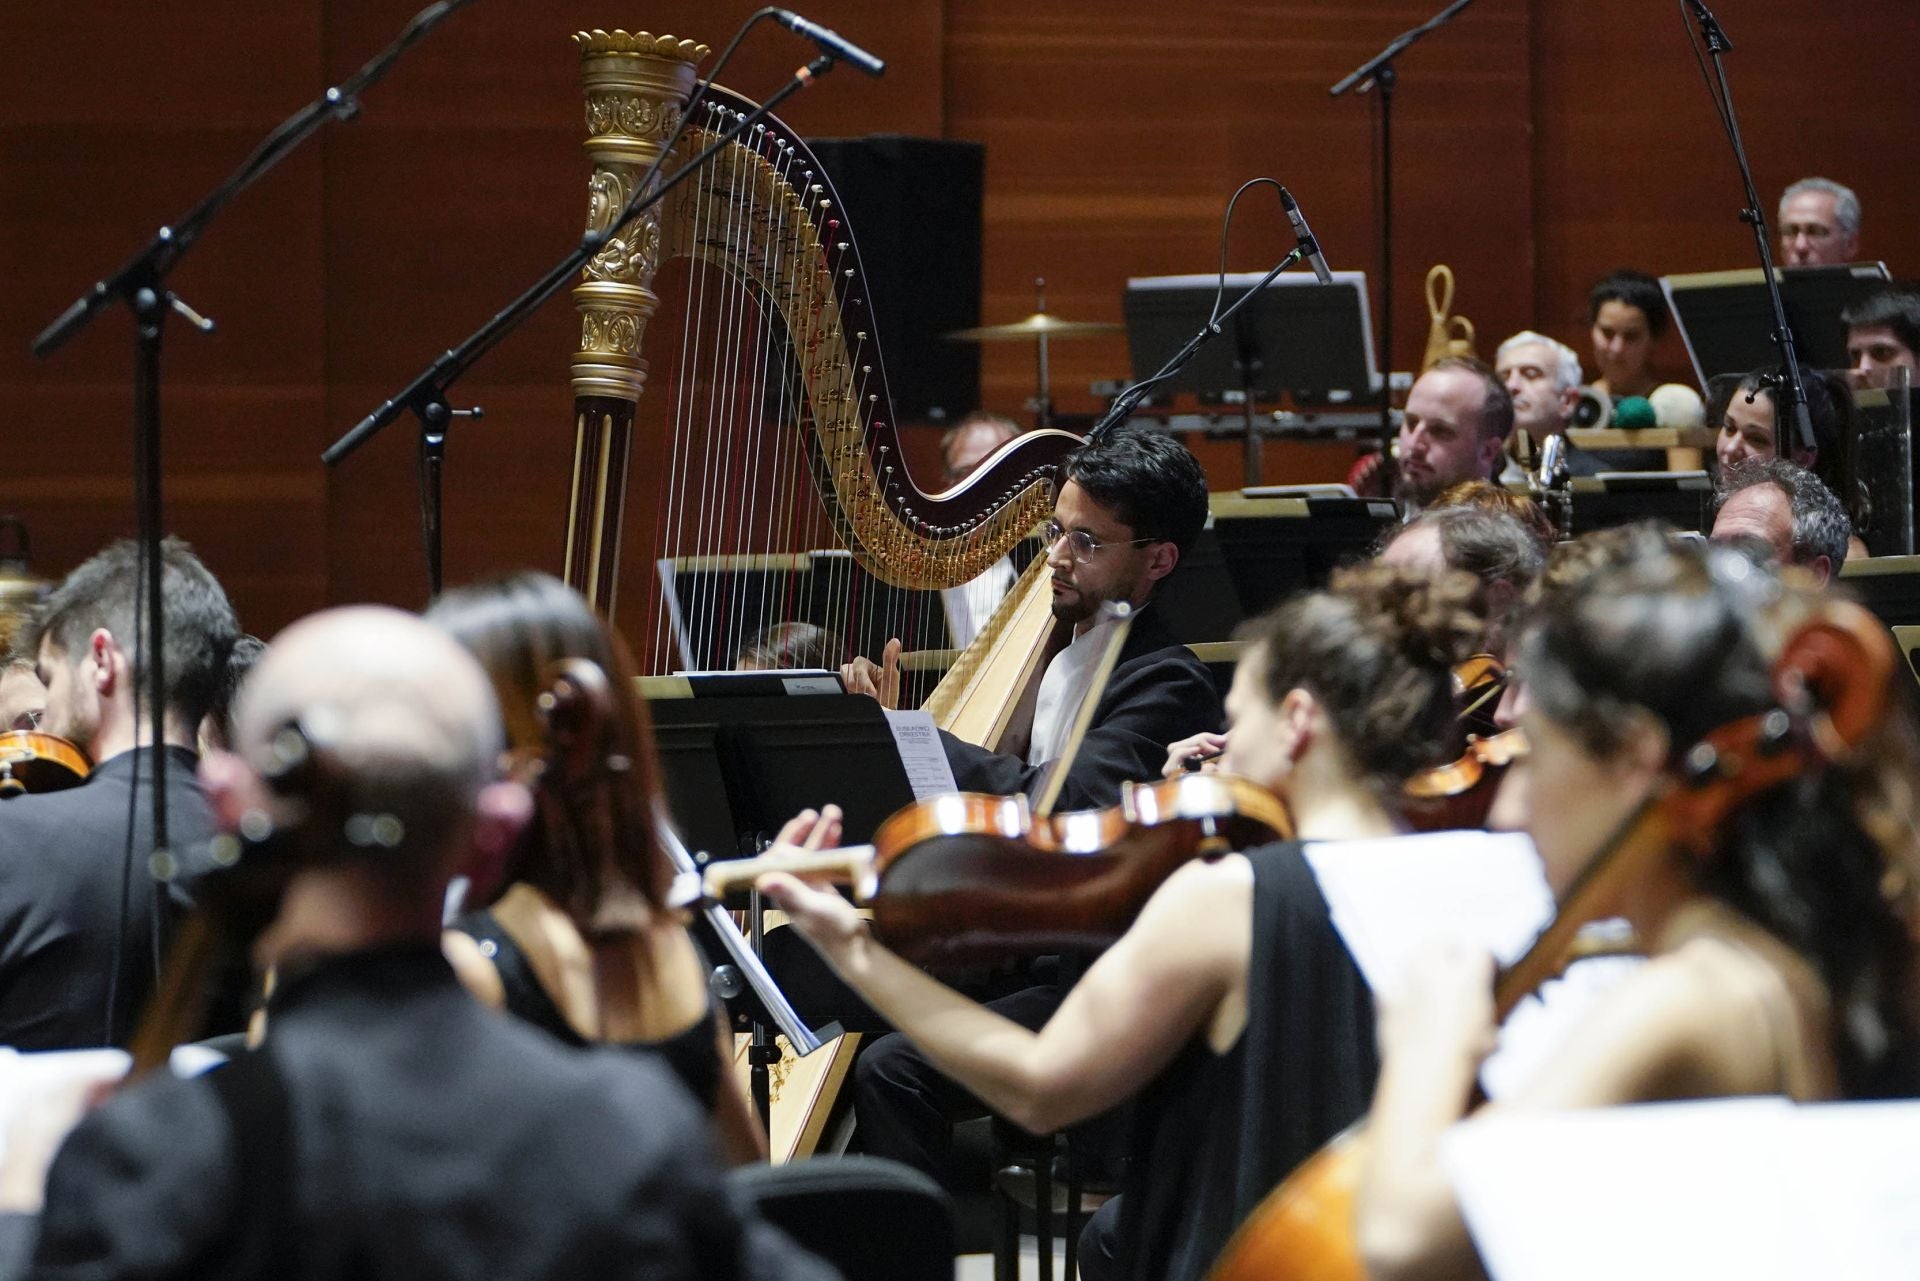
x,y
636,86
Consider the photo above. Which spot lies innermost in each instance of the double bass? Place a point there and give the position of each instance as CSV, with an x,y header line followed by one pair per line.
x,y
1831,684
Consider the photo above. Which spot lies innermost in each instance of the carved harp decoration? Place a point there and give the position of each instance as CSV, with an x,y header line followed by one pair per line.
x,y
764,220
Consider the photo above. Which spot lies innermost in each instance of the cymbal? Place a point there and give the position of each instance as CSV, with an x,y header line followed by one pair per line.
x,y
1038,325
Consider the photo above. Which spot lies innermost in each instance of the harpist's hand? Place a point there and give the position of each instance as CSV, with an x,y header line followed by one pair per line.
x,y
880,680
1204,748
821,915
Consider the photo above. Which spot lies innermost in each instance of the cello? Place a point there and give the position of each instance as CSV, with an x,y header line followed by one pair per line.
x,y
1830,683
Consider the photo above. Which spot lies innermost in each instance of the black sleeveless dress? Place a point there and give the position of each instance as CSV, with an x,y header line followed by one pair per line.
x,y
690,1054
1217,1132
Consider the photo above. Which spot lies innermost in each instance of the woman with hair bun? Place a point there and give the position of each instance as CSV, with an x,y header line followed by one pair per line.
x,y
1231,1001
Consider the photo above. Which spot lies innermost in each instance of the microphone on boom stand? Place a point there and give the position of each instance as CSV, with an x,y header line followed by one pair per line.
x,y
1309,246
830,42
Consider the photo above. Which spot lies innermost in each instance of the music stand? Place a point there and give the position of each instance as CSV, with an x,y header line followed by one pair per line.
x,y
1725,317
1275,547
1298,336
758,761
1683,499
1199,601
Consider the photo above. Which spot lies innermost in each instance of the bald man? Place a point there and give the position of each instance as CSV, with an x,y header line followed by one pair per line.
x,y
391,1126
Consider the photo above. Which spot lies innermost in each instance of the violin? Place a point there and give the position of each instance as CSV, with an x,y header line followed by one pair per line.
x,y
968,878
1478,683
1460,793
1833,671
34,762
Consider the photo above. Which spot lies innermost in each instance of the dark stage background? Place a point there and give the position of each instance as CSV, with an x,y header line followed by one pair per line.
x,y
1540,143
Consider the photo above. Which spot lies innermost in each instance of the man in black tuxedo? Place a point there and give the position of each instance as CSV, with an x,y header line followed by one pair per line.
x,y
1129,506
82,918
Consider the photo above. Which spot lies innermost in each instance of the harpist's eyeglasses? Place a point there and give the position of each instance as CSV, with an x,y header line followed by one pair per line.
x,y
1081,545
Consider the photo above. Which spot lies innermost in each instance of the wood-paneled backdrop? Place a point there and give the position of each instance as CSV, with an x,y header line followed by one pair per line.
x,y
1541,143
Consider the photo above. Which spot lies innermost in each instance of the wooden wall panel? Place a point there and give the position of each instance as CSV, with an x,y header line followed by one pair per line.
x,y
1635,171
1540,144
105,134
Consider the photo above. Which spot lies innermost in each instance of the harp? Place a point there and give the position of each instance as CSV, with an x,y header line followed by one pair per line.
x,y
779,433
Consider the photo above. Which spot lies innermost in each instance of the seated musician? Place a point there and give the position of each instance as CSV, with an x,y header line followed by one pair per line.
x,y
1626,315
579,943
391,1127
963,447
784,647
1458,418
1499,541
1128,509
1883,334
1230,1000
1748,422
1784,510
1819,224
1783,964
1542,375
77,902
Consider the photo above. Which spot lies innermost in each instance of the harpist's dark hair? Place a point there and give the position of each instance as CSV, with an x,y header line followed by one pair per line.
x,y
517,627
1376,649
1687,633
1150,481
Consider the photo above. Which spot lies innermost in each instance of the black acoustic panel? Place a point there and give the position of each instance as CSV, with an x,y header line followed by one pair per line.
x,y
914,206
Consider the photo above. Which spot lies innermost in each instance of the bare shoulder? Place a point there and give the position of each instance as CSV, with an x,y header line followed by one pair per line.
x,y
1690,1023
1205,885
1205,909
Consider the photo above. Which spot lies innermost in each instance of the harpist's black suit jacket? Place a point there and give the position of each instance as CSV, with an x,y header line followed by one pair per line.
x,y
1159,693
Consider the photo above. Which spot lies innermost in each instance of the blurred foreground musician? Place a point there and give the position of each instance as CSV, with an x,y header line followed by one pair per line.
x,y
81,917
391,1127
1230,1005
1783,959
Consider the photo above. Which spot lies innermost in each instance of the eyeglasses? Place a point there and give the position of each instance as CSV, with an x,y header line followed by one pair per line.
x,y
1081,545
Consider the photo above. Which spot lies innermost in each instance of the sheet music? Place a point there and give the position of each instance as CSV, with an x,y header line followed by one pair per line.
x,y
928,771
1393,897
1752,1188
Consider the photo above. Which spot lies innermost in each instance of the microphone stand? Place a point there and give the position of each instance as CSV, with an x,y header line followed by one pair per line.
x,y
426,395
1790,393
142,285
1378,73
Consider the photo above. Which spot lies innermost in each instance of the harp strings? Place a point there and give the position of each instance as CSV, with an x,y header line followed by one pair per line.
x,y
740,519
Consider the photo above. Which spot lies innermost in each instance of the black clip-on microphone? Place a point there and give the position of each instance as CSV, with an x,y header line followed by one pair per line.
x,y
830,42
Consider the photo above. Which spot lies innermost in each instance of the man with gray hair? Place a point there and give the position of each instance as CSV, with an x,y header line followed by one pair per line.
x,y
1542,375
390,1126
1819,224
1773,504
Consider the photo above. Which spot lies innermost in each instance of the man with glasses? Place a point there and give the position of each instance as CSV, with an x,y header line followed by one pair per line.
x,y
1128,508
1819,224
